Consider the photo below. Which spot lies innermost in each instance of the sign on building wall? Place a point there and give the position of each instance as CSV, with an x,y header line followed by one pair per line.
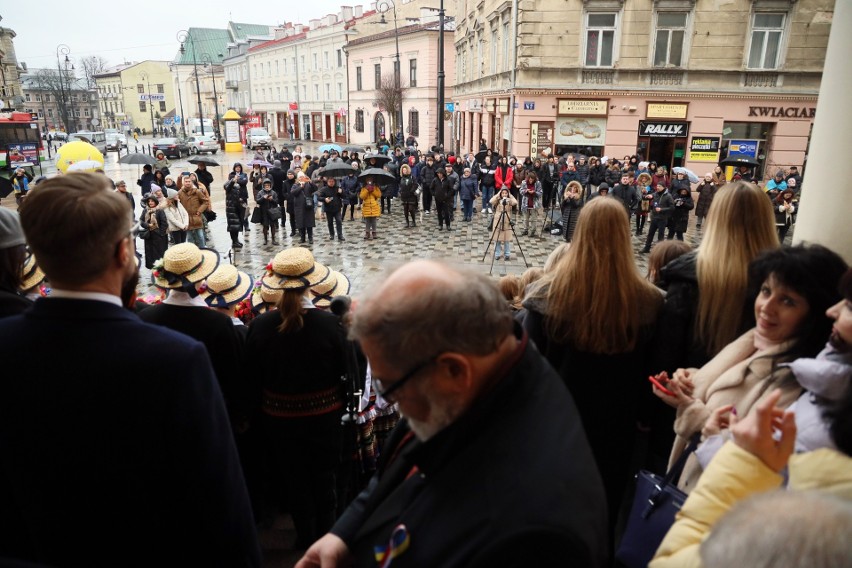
x,y
663,129
489,105
743,148
666,110
503,106
529,105
580,132
704,149
541,139
581,107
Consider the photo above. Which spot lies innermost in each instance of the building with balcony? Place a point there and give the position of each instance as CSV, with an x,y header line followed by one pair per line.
x,y
46,92
136,95
675,81
372,62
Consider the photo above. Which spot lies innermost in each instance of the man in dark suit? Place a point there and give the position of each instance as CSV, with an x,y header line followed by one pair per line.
x,y
491,466
108,455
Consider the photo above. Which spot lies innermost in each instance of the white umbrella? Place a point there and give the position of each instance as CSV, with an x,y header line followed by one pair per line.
x,y
689,174
85,166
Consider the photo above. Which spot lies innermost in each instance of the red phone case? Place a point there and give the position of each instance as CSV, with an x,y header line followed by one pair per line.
x,y
660,386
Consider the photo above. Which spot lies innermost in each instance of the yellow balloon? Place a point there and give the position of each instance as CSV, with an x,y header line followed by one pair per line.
x,y
76,151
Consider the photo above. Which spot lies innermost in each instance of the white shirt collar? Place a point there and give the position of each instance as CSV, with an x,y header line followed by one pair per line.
x,y
237,321
178,298
307,303
76,295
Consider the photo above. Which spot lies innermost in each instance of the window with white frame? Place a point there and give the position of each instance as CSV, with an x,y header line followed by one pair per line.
x,y
302,58
284,61
269,69
479,56
377,75
600,39
286,93
304,91
493,62
412,72
359,121
767,31
316,65
340,91
316,92
325,60
414,123
277,68
340,58
506,46
278,93
27,97
669,46
328,91
358,84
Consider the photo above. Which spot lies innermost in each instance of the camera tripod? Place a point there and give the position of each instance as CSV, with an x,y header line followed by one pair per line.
x,y
499,226
548,213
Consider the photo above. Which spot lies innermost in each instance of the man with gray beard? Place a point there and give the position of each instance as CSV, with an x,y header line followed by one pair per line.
x,y
490,466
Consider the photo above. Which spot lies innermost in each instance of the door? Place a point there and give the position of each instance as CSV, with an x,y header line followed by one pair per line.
x,y
328,130
379,122
661,150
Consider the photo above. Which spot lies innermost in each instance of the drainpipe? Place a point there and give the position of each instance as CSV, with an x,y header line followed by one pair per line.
x,y
514,76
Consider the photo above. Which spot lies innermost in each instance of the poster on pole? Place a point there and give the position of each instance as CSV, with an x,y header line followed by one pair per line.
x,y
22,155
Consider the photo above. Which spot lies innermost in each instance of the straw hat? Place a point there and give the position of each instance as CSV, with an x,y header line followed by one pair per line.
x,y
337,284
227,286
183,266
264,298
293,269
31,274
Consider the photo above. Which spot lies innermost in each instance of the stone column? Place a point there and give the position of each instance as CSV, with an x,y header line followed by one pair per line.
x,y
824,209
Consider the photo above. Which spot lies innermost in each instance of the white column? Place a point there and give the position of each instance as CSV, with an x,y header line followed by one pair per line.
x,y
824,210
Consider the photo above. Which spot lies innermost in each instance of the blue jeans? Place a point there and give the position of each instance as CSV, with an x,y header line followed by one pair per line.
x,y
487,194
196,236
467,207
505,245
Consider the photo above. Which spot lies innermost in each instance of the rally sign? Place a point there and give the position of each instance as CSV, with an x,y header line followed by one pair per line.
x,y
663,129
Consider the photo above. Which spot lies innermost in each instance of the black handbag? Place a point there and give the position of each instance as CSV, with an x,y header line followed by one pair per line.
x,y
309,201
256,215
209,215
655,504
274,213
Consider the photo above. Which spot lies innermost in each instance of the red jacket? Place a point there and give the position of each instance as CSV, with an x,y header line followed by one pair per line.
x,y
498,177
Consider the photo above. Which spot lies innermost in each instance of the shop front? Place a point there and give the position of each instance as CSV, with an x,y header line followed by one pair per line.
x,y
580,127
340,126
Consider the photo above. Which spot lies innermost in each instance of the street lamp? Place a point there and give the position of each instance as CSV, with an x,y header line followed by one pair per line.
x,y
144,76
64,50
209,61
180,98
441,76
383,6
183,36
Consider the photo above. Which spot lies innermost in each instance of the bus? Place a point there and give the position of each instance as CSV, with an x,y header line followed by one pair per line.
x,y
20,141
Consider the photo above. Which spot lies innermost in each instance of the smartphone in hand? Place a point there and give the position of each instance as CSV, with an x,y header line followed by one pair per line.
x,y
658,383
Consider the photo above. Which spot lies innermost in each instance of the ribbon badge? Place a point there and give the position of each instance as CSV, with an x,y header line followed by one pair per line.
x,y
398,543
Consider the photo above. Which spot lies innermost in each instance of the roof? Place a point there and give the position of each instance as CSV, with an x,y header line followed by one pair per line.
x,y
114,70
449,27
214,42
303,34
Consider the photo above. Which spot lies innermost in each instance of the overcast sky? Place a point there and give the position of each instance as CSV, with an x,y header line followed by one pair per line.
x,y
135,31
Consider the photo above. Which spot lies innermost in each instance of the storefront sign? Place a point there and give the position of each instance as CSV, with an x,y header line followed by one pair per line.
x,y
704,149
580,132
489,105
782,112
658,129
666,110
503,106
742,148
581,107
22,155
476,105
541,139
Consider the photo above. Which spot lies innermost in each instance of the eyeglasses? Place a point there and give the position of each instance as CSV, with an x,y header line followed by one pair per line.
x,y
386,392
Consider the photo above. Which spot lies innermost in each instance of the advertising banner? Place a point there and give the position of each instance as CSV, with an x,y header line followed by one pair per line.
x,y
704,149
22,155
742,148
580,132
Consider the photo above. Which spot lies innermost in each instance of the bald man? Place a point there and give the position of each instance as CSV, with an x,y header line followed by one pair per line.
x,y
490,466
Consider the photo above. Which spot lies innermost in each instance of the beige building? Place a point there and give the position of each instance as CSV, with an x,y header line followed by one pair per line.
x,y
11,94
136,95
680,82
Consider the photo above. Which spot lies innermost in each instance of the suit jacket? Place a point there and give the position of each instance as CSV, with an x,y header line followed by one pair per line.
x,y
510,483
115,445
12,304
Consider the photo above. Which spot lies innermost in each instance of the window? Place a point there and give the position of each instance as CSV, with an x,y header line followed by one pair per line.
x,y
600,39
358,85
316,65
277,69
340,58
40,114
50,113
143,107
304,91
38,98
377,79
255,69
479,55
285,65
302,61
316,92
140,88
85,112
325,60
162,106
340,91
493,62
671,30
161,88
414,123
506,46
463,60
359,121
286,93
277,93
47,98
328,91
269,69
27,97
412,72
766,34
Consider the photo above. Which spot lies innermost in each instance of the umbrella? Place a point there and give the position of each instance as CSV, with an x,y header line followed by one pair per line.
x,y
207,160
381,159
329,148
380,176
689,174
137,159
480,156
337,169
6,187
257,163
84,166
359,149
739,161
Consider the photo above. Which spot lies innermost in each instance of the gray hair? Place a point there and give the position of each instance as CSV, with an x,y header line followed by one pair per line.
x,y
466,315
782,529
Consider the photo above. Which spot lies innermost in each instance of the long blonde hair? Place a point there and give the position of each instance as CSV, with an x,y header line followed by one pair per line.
x,y
596,299
740,225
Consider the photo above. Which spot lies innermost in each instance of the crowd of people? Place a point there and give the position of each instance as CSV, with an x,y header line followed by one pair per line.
x,y
522,425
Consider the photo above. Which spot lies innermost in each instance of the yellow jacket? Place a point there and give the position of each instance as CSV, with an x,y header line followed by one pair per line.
x,y
371,195
733,475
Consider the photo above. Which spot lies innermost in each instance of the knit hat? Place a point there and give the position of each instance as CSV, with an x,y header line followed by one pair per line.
x,y
337,284
603,185
31,274
293,269
11,233
227,286
183,266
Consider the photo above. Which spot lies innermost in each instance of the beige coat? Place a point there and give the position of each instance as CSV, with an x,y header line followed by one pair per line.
x,y
738,375
502,232
195,202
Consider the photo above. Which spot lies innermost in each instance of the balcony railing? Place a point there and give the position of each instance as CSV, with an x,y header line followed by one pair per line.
x,y
598,77
760,80
231,85
666,78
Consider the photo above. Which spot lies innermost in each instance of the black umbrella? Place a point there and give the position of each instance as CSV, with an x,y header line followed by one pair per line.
x,y
207,160
381,159
6,187
480,156
359,149
739,161
336,169
137,159
380,176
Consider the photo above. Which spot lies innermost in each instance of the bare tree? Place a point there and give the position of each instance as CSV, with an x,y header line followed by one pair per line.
x,y
92,65
390,98
59,87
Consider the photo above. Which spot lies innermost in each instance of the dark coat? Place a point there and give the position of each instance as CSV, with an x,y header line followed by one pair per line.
x,y
158,239
265,204
90,447
597,174
612,176
204,176
666,204
683,204
12,303
465,506
407,188
302,212
627,195
706,192
468,188
352,187
427,174
442,190
234,209
336,194
570,214
277,175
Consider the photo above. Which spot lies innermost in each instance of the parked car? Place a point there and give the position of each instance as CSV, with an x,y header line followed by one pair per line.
x,y
172,147
199,144
115,141
96,139
258,138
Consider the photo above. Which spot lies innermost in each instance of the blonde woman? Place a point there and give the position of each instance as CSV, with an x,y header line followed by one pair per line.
x,y
597,335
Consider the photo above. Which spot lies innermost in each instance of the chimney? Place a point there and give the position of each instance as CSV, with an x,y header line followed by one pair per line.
x,y
358,12
346,13
314,23
280,33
